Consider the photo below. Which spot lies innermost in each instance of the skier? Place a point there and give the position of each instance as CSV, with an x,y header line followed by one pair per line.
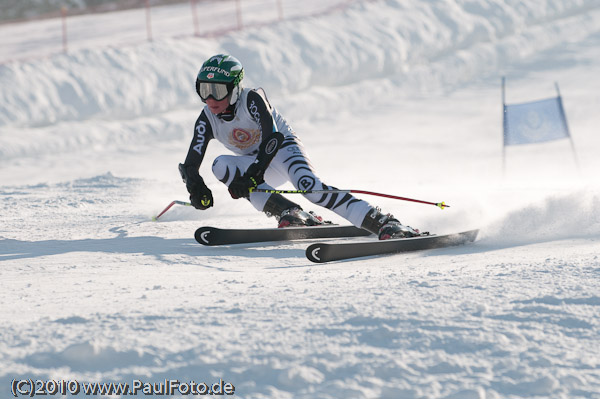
x,y
243,120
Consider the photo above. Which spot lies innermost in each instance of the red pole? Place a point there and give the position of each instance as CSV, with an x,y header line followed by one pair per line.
x,y
238,9
148,21
195,18
169,207
63,13
440,205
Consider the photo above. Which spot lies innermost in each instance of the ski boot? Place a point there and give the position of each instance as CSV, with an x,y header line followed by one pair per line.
x,y
290,214
296,217
387,226
394,229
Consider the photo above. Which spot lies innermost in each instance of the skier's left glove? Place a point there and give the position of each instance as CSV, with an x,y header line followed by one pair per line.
x,y
200,195
240,186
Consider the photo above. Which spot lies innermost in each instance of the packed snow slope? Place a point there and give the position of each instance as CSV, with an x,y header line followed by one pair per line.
x,y
401,97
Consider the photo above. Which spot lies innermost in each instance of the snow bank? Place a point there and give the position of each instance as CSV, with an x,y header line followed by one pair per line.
x,y
415,45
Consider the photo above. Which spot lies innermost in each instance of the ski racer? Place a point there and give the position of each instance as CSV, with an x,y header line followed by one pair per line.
x,y
244,120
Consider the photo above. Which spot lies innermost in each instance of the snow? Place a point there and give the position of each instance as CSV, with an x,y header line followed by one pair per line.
x,y
400,97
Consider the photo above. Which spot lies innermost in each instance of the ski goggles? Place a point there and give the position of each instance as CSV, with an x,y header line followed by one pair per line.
x,y
218,91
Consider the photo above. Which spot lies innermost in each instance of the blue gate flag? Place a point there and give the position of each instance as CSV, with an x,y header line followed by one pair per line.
x,y
535,122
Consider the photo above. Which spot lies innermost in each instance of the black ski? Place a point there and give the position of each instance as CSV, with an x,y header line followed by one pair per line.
x,y
327,252
217,236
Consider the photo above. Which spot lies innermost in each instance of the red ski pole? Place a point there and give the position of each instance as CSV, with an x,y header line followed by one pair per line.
x,y
169,207
440,205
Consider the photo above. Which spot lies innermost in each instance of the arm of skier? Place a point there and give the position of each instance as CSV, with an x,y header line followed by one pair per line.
x,y
261,111
200,195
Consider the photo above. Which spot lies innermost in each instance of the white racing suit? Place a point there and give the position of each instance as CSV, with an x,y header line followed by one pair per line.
x,y
242,132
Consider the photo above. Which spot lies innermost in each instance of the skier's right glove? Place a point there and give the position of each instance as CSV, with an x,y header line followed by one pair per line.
x,y
240,186
200,195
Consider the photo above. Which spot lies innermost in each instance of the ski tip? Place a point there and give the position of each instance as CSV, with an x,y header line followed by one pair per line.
x,y
313,253
202,235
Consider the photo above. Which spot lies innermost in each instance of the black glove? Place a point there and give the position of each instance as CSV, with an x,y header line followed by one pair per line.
x,y
241,185
200,195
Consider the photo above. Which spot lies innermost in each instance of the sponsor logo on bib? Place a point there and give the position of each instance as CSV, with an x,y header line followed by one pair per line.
x,y
243,139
